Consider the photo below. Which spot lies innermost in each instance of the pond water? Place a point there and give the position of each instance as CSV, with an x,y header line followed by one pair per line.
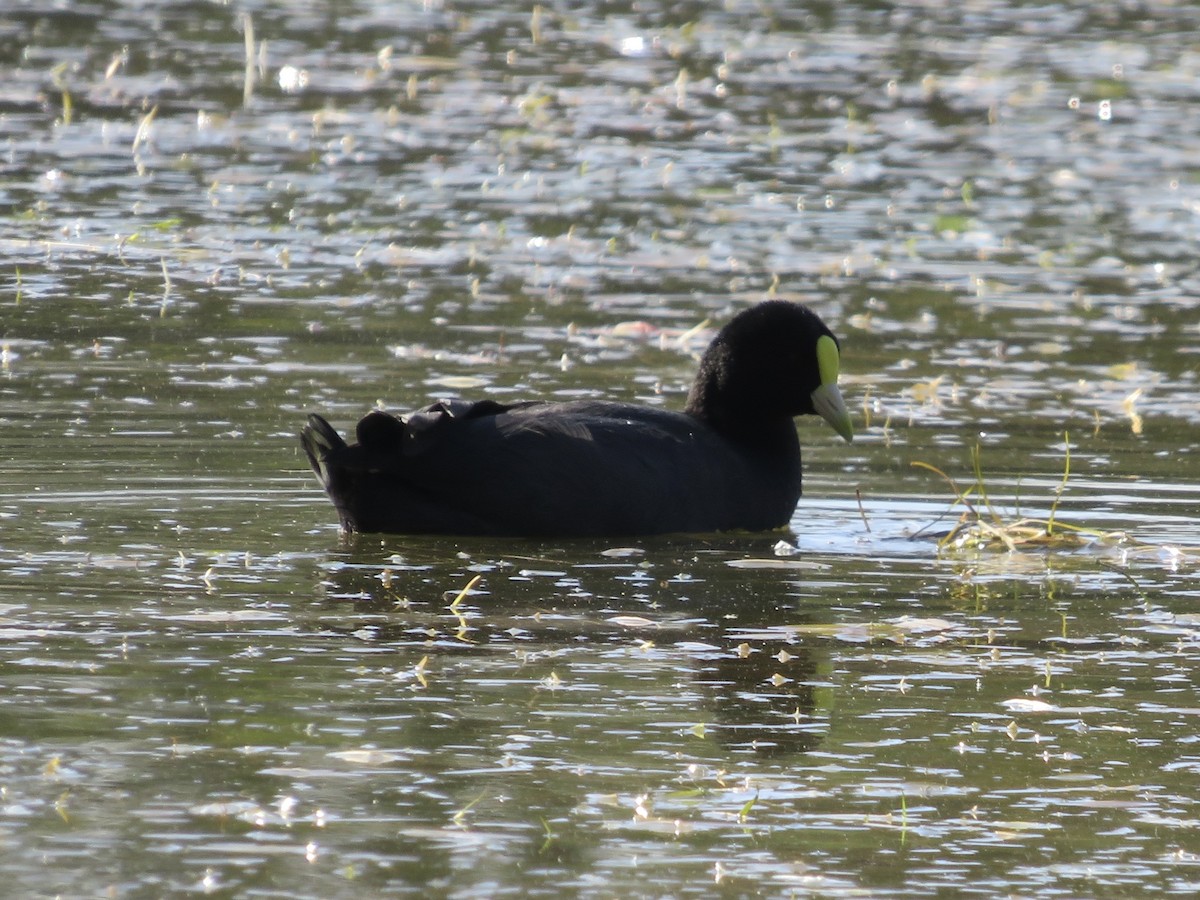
x,y
219,218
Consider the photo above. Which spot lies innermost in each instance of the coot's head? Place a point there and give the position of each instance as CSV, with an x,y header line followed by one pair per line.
x,y
771,362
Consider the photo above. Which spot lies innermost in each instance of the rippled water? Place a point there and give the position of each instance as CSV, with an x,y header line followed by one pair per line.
x,y
208,690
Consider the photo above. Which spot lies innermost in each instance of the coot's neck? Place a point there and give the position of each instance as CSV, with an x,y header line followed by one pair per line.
x,y
739,416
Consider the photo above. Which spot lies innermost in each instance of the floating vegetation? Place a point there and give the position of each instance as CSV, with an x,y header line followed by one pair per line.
x,y
982,527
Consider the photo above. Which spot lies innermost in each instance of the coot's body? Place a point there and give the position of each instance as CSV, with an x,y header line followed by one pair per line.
x,y
731,460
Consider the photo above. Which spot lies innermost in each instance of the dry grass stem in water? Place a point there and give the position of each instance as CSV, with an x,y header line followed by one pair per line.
x,y
982,527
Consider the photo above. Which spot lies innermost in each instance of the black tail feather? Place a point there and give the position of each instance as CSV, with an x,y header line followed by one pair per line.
x,y
319,440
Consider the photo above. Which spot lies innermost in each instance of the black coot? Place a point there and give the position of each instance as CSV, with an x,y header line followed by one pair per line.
x,y
730,460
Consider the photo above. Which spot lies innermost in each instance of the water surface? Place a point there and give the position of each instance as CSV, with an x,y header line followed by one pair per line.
x,y
208,690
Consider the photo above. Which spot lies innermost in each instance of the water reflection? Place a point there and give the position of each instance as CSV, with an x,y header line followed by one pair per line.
x,y
762,692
